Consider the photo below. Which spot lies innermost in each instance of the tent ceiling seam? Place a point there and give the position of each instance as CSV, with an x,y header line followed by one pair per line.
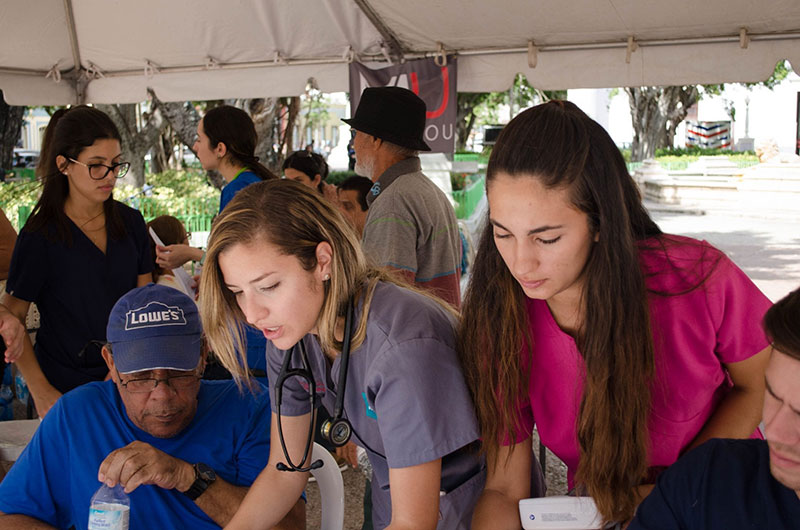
x,y
73,35
390,38
79,84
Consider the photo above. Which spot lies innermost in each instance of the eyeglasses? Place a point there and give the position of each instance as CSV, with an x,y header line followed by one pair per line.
x,y
146,385
101,171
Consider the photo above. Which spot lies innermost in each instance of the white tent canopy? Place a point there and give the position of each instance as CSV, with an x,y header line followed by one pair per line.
x,y
111,51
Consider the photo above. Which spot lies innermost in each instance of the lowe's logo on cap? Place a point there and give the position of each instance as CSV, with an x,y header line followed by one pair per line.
x,y
154,314
154,327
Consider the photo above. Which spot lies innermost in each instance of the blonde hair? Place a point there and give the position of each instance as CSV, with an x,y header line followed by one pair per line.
x,y
296,220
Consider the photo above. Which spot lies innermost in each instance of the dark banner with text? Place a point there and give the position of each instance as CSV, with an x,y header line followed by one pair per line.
x,y
435,84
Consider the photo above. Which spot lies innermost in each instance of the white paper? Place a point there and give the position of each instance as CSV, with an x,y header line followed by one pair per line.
x,y
180,274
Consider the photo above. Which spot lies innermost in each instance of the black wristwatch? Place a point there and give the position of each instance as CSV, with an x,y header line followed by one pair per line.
x,y
204,476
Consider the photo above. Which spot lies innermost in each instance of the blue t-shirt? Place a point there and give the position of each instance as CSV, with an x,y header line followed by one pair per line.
x,y
720,485
56,475
75,286
256,343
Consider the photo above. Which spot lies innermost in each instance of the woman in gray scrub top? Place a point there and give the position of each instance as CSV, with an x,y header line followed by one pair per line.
x,y
285,260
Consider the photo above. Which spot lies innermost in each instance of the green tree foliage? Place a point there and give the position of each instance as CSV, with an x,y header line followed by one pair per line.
x,y
656,112
483,108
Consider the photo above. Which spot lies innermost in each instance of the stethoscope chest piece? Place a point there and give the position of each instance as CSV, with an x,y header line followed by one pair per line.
x,y
337,431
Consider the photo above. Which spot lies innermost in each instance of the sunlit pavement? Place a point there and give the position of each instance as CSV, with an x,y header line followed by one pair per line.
x,y
763,243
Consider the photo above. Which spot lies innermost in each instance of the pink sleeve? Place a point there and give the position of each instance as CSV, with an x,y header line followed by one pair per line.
x,y
737,308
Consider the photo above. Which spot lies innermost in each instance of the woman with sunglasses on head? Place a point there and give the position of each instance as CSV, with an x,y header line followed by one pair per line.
x,y
380,355
226,142
78,253
624,346
310,169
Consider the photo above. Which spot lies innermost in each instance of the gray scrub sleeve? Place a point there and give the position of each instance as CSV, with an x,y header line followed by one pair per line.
x,y
423,406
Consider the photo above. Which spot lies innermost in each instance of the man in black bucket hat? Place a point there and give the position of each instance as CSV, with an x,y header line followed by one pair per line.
x,y
411,226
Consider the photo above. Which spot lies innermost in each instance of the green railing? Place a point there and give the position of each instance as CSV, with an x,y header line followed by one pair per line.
x,y
195,214
468,198
683,165
471,157
23,212
22,173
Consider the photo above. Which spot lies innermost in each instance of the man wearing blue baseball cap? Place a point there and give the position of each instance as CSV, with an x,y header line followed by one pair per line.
x,y
185,450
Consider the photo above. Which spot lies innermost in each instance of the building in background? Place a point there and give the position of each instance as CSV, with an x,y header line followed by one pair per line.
x,y
33,126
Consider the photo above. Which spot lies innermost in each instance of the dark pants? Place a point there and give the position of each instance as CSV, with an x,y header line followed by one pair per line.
x,y
367,506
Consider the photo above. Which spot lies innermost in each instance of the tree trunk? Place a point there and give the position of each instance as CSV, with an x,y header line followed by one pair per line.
x,y
291,118
10,127
465,117
183,118
135,143
656,113
265,113
161,154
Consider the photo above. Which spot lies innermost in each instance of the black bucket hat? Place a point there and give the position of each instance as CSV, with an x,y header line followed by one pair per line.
x,y
391,113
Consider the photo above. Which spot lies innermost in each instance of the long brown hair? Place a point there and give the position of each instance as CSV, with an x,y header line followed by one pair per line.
x,y
234,128
563,148
295,219
68,133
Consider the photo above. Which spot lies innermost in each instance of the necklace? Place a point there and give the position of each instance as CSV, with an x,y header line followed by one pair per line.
x,y
80,222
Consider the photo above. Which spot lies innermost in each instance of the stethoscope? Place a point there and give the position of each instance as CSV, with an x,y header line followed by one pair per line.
x,y
336,430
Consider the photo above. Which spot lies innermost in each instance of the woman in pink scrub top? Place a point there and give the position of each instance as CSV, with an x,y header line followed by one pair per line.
x,y
624,346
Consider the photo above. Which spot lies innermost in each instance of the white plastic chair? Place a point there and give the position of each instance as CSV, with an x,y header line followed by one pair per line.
x,y
14,436
331,489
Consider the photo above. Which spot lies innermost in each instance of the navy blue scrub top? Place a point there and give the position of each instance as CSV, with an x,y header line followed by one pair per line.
x,y
75,286
254,339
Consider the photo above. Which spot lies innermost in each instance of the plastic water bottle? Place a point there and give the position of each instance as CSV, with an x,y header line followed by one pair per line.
x,y
110,509
21,388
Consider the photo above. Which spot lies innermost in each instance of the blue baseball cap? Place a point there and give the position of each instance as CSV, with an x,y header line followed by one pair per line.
x,y
155,327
